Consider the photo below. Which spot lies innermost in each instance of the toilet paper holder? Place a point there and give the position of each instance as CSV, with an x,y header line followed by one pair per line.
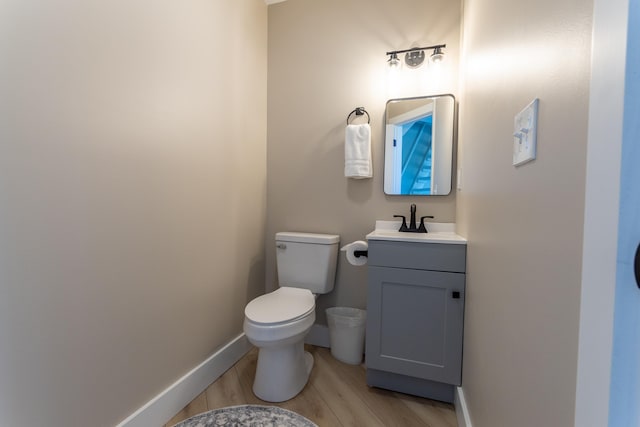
x,y
357,252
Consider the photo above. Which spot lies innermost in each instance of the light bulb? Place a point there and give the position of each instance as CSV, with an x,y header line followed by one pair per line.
x,y
437,55
393,61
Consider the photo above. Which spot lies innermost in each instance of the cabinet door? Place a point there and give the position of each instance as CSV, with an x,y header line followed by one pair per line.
x,y
414,323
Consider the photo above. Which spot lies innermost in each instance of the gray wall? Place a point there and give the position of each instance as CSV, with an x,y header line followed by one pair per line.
x,y
524,224
132,198
326,58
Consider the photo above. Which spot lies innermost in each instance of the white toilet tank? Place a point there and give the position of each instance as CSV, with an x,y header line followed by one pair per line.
x,y
307,260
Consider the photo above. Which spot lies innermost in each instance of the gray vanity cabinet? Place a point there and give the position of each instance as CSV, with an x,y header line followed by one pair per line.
x,y
415,313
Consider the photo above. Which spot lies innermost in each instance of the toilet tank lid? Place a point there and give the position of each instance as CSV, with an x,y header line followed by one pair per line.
x,y
321,239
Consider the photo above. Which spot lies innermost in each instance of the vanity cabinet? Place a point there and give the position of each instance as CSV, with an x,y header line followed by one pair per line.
x,y
415,314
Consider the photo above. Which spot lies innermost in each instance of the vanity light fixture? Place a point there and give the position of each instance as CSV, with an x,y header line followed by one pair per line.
x,y
415,56
437,55
393,61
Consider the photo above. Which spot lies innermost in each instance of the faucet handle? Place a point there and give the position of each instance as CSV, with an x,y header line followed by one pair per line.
x,y
422,228
403,227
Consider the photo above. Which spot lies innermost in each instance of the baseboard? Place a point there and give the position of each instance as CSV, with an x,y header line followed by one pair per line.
x,y
165,405
462,412
318,336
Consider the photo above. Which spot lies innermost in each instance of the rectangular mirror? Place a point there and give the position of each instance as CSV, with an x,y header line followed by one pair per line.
x,y
418,153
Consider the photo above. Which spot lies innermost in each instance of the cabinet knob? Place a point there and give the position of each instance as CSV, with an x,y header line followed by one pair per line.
x,y
455,294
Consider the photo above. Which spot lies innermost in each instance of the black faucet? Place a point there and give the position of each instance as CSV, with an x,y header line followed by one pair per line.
x,y
413,228
412,223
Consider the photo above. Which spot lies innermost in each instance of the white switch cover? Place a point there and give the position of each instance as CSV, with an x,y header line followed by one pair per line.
x,y
524,134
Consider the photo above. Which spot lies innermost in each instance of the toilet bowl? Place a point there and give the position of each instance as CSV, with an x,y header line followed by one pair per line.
x,y
277,323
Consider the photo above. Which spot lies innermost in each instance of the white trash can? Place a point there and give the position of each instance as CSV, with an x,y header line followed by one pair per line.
x,y
346,333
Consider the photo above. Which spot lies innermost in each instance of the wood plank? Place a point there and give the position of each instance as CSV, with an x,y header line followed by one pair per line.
x,y
196,406
309,404
341,397
432,412
336,395
225,391
390,411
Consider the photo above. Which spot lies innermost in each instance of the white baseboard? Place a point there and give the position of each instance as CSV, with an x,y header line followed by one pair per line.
x,y
462,412
318,336
165,405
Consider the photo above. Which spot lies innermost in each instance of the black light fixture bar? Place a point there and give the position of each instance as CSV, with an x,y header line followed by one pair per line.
x,y
414,49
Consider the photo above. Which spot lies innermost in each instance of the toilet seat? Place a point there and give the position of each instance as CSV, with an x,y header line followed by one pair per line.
x,y
281,306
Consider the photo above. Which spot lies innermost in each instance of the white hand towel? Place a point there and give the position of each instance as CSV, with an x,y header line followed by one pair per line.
x,y
357,152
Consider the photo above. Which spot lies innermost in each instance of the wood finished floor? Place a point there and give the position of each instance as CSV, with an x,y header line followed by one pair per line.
x,y
336,395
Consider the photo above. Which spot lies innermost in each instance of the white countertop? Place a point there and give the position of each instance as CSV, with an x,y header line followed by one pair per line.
x,y
438,232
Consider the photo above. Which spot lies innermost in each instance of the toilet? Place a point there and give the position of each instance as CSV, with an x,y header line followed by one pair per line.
x,y
277,322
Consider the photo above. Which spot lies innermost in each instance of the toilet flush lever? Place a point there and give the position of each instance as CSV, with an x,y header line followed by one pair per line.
x,y
281,246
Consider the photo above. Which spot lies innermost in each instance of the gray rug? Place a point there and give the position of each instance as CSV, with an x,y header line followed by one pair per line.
x,y
248,415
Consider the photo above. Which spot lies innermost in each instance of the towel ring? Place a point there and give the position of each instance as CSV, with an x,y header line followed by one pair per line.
x,y
359,112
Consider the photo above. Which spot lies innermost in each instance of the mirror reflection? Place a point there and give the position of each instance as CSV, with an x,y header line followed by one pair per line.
x,y
418,156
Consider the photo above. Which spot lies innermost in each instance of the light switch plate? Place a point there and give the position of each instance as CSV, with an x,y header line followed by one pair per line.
x,y
525,133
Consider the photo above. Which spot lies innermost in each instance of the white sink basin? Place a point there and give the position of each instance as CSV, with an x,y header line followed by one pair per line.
x,y
438,232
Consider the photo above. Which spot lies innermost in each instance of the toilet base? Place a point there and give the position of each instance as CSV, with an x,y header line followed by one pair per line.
x,y
282,372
